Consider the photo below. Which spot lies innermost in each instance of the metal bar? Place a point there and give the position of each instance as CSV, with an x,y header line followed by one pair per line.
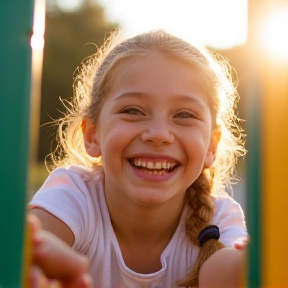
x,y
275,159
16,24
253,192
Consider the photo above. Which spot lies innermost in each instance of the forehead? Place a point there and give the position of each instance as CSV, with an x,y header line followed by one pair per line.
x,y
155,73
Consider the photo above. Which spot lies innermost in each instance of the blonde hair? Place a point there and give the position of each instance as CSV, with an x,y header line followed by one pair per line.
x,y
213,74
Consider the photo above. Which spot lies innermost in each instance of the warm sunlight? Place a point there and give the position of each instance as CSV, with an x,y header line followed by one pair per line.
x,y
274,32
37,39
218,24
37,42
69,5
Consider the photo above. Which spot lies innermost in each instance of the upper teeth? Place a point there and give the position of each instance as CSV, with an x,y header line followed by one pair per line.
x,y
153,165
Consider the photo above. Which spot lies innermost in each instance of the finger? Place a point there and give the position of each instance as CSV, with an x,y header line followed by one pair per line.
x,y
54,284
52,254
241,243
36,278
83,281
34,223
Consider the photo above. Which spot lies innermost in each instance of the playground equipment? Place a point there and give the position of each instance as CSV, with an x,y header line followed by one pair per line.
x,y
16,22
267,118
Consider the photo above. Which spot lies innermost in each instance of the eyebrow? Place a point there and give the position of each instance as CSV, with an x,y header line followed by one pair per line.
x,y
130,95
179,97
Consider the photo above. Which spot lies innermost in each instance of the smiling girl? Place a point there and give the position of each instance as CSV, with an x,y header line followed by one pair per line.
x,y
145,151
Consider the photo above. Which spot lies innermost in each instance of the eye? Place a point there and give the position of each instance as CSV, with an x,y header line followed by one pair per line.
x,y
132,111
185,114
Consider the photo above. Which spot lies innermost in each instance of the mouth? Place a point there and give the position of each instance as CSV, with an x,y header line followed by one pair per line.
x,y
154,166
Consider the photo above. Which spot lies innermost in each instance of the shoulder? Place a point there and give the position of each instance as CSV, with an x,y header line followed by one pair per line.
x,y
230,219
70,179
74,173
74,195
67,189
227,205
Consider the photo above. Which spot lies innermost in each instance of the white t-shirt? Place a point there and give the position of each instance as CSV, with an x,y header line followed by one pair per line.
x,y
76,196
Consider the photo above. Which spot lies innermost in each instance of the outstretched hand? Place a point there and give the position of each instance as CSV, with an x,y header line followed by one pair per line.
x,y
54,263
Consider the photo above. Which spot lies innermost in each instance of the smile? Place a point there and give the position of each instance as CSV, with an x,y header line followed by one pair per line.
x,y
153,166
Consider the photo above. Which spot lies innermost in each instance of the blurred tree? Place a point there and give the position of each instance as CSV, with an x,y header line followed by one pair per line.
x,y
66,34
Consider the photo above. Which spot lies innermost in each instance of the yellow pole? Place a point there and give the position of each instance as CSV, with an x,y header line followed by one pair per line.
x,y
275,176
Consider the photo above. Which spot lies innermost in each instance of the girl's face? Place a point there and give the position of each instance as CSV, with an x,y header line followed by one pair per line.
x,y
153,132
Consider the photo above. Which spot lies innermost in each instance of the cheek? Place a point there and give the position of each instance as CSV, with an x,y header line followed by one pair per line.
x,y
114,140
196,146
199,136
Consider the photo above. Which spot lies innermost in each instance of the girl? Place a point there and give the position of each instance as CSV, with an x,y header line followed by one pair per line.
x,y
144,153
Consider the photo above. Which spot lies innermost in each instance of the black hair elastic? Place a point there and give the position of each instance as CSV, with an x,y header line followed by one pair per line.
x,y
210,232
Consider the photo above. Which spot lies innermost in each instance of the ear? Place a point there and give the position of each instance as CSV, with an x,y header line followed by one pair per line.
x,y
90,137
212,149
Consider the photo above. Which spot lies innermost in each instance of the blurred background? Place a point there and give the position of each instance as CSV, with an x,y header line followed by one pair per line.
x,y
246,32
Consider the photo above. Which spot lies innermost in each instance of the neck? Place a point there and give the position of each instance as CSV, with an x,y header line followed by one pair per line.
x,y
134,223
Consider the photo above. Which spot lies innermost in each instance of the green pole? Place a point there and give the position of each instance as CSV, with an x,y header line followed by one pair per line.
x,y
16,17
253,189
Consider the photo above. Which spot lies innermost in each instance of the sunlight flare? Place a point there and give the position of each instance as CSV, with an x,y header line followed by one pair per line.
x,y
274,33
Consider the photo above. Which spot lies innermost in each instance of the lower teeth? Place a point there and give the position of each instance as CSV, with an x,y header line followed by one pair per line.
x,y
155,172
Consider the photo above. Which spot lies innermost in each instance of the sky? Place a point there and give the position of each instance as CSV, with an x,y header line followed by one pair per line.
x,y
215,23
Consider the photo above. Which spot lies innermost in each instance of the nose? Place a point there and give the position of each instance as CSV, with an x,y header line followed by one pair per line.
x,y
158,132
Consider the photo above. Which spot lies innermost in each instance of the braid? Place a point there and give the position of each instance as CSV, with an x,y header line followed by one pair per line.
x,y
202,206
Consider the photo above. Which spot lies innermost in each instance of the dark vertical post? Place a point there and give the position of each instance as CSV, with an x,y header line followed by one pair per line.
x,y
254,185
16,25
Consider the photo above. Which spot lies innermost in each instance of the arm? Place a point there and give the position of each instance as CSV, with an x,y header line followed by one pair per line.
x,y
224,269
54,225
